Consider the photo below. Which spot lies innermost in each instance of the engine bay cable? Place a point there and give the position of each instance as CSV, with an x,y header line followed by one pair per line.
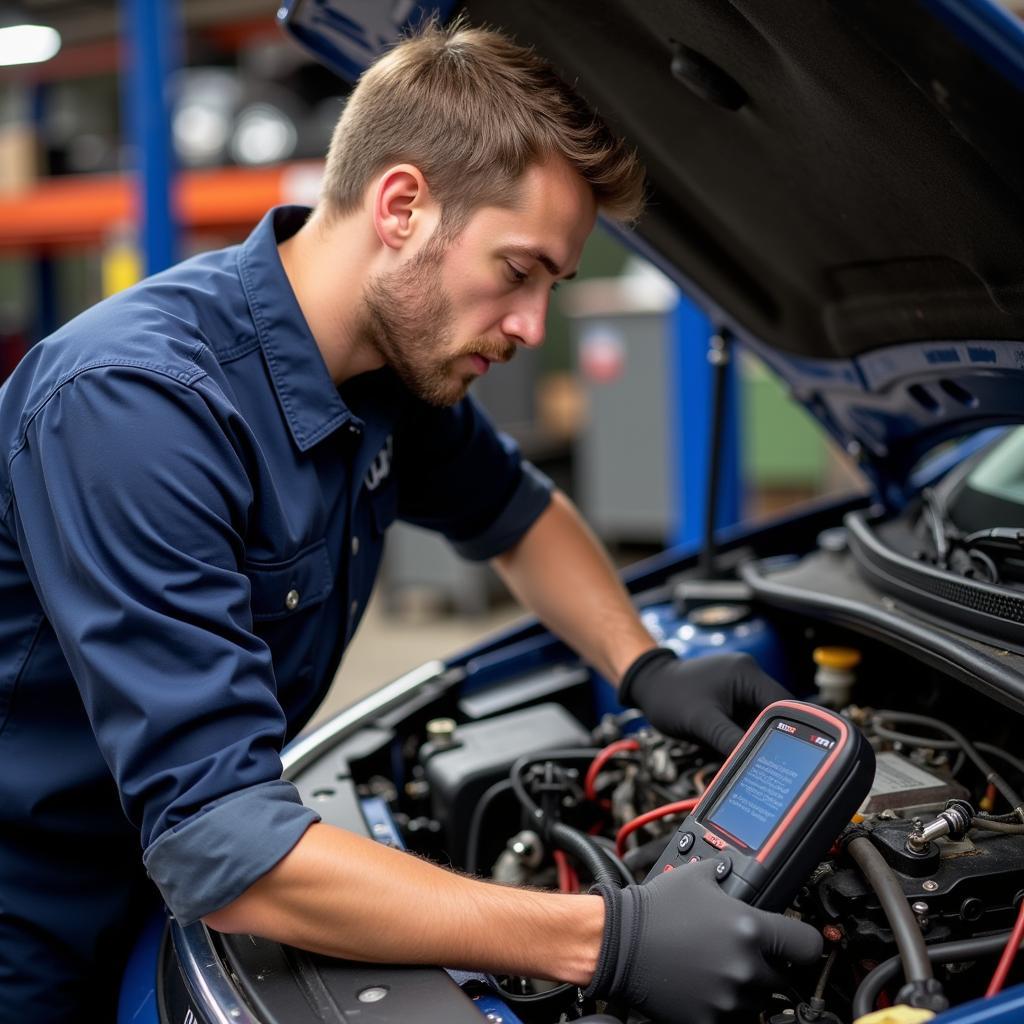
x,y
518,769
679,807
1008,758
905,929
567,880
477,820
618,747
1008,956
608,849
941,953
1006,827
586,851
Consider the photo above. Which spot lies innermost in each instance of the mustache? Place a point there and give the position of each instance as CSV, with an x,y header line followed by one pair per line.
x,y
492,353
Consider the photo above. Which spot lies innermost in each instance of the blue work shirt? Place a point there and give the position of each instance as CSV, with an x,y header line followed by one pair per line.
x,y
192,520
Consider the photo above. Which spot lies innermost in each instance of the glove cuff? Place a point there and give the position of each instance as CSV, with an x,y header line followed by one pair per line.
x,y
608,956
627,688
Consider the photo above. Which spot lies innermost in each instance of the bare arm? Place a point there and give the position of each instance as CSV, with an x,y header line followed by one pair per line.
x,y
560,570
343,895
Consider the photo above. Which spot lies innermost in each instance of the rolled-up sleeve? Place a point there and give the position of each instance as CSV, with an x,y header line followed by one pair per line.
x,y
459,476
130,500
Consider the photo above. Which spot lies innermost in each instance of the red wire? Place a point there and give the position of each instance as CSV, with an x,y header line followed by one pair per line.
x,y
567,880
601,760
1009,953
679,807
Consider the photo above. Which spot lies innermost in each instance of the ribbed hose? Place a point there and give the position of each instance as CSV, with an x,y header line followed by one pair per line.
x,y
588,853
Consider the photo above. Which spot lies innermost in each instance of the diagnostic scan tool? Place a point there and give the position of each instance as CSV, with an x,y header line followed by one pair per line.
x,y
776,805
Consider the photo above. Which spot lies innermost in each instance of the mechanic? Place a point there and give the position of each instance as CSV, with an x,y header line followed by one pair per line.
x,y
199,472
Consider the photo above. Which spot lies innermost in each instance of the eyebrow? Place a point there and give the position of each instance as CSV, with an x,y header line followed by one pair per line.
x,y
542,258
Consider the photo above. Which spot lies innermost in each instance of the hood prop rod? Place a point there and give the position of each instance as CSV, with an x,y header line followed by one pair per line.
x,y
719,356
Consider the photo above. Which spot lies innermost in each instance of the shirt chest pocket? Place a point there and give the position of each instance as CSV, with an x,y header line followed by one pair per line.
x,y
280,589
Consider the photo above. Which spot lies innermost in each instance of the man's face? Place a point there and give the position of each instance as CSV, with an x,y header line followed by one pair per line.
x,y
442,318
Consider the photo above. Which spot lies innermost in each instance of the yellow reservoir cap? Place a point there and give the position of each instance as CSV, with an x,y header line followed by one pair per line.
x,y
896,1015
841,658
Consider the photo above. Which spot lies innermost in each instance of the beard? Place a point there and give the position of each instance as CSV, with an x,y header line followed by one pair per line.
x,y
408,318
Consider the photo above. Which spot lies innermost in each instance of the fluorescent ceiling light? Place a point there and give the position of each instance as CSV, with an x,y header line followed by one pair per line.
x,y
28,44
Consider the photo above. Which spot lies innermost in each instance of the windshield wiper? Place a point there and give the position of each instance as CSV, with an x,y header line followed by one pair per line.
x,y
1006,540
944,534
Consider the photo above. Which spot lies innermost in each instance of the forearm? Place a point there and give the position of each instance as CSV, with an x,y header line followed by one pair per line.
x,y
561,572
343,895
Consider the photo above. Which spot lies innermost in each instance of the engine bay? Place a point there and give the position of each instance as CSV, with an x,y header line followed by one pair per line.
x,y
453,766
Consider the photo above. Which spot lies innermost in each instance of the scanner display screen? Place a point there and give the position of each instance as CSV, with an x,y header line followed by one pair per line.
x,y
767,785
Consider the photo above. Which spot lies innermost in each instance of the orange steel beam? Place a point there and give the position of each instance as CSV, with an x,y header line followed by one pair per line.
x,y
87,209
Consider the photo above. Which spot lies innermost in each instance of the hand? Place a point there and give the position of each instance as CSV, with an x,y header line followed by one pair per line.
x,y
681,950
701,698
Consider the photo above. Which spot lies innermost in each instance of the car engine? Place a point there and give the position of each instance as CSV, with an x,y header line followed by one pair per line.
x,y
453,762
941,811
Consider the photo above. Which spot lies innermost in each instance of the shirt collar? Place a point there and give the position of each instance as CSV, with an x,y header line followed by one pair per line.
x,y
308,398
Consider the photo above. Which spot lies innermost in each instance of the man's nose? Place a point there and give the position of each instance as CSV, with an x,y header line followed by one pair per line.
x,y
527,322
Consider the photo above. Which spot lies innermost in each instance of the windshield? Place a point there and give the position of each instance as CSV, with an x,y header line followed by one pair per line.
x,y
1001,472
992,494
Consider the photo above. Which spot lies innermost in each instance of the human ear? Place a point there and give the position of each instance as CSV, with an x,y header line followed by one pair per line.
x,y
401,203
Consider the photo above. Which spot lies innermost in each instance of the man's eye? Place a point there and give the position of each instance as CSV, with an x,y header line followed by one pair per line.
x,y
517,275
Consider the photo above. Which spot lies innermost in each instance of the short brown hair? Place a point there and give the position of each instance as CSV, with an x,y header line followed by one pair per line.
x,y
472,110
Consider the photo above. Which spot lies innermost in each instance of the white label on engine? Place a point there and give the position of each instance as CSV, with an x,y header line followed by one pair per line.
x,y
895,774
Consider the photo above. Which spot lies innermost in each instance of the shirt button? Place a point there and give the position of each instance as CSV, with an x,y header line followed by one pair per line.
x,y
355,545
291,601
354,607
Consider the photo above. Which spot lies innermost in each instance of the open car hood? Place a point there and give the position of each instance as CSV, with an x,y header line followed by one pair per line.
x,y
838,183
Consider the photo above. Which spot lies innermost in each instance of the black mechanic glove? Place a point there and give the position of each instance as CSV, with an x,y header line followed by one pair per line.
x,y
681,950
699,699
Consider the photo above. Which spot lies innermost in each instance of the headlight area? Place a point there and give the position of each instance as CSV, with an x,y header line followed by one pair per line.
x,y
457,768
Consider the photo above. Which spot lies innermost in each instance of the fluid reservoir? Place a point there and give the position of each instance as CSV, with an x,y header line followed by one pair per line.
x,y
716,629
835,675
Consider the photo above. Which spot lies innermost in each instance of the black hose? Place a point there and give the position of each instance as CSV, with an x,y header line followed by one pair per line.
x,y
989,773
1005,827
941,953
566,838
586,851
530,805
905,929
566,992
819,989
932,742
538,1001
608,849
1004,755
640,859
477,820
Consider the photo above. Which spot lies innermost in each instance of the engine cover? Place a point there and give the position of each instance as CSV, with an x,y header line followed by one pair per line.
x,y
976,887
